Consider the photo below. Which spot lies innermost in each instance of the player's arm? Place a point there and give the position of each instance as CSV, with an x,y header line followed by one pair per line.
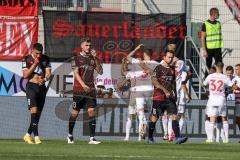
x,y
122,83
157,84
48,71
129,56
79,79
124,67
203,41
76,76
185,91
184,86
28,71
98,68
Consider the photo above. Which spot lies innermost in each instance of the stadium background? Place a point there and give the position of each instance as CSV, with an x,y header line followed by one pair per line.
x,y
112,114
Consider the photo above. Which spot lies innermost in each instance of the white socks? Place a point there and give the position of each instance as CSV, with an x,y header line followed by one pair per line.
x,y
218,130
169,127
165,124
181,124
207,128
211,130
128,128
226,130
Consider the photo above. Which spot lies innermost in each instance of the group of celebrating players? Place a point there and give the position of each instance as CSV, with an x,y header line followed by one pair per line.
x,y
159,87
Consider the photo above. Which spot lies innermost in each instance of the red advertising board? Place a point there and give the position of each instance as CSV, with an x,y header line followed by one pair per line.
x,y
18,7
17,37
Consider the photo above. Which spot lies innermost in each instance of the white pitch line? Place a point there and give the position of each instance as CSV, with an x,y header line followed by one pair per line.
x,y
116,156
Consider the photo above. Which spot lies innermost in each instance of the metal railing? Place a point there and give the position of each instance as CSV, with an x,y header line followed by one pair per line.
x,y
197,64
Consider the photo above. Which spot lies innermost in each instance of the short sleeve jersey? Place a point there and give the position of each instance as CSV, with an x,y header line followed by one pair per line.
x,y
44,63
217,84
165,77
85,66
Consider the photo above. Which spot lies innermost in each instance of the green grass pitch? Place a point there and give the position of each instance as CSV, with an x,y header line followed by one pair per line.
x,y
116,150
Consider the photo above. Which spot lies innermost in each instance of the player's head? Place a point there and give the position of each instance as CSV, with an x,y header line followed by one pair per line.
x,y
214,13
37,50
168,57
179,66
171,47
237,69
212,70
85,45
219,67
147,54
229,71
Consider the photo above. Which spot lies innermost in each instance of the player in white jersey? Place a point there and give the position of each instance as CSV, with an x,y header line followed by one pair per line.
x,y
182,91
229,73
216,105
141,71
236,90
132,97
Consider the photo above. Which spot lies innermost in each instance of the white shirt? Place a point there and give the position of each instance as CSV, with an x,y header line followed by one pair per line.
x,y
181,77
140,79
217,84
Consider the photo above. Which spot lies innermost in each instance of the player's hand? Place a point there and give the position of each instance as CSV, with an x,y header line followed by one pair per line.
x,y
36,61
167,93
93,53
86,88
41,81
204,53
188,98
140,46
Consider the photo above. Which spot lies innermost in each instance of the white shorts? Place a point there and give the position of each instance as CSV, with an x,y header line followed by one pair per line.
x,y
144,98
237,110
216,106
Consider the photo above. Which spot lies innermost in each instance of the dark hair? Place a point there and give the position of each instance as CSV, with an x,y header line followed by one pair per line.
x,y
237,65
220,64
38,46
213,10
86,39
170,51
148,52
229,68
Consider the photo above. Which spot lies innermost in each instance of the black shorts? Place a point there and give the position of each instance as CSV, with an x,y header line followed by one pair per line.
x,y
160,106
82,102
36,95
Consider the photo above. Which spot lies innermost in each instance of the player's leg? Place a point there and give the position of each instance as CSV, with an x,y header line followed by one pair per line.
x,y
237,113
76,106
129,126
218,128
212,112
181,111
165,125
32,106
172,110
170,128
131,114
91,104
40,105
154,115
207,122
225,129
141,116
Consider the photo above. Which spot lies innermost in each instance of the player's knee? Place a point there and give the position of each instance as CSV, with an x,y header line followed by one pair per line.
x,y
153,118
34,109
91,112
131,116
